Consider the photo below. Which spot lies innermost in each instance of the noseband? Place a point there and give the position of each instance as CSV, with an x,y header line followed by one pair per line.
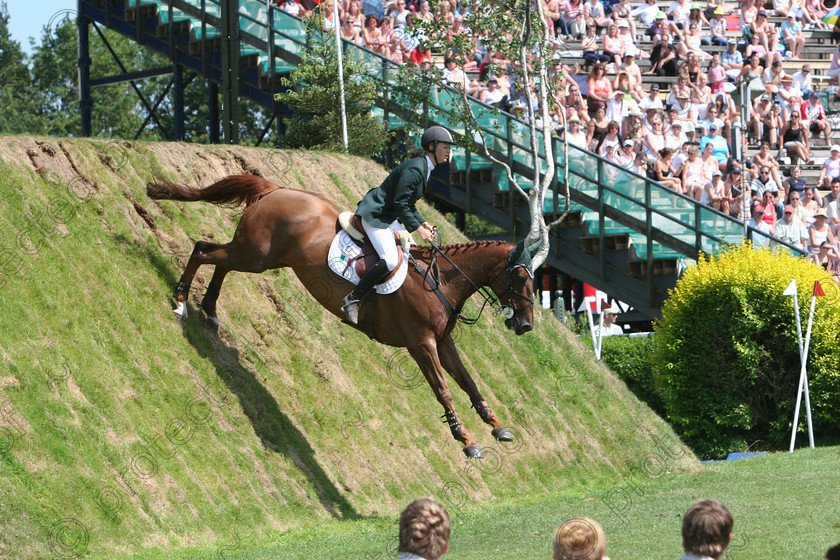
x,y
508,310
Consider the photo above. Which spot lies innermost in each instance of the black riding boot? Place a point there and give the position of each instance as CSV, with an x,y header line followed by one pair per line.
x,y
352,301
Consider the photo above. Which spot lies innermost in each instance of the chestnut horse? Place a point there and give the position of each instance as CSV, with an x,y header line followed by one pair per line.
x,y
282,227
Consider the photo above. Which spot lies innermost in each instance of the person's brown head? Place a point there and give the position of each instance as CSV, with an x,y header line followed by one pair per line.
x,y
580,538
707,528
425,529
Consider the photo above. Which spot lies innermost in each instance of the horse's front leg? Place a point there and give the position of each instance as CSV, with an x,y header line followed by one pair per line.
x,y
451,361
426,356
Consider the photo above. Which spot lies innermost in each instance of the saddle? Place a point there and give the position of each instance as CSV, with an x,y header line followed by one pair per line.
x,y
352,225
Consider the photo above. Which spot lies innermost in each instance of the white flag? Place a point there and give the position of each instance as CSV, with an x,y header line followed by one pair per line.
x,y
791,289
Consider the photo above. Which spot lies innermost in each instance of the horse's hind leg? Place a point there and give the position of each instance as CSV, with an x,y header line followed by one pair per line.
x,y
204,252
208,304
451,362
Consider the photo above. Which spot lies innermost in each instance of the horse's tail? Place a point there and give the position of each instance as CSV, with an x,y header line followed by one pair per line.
x,y
236,189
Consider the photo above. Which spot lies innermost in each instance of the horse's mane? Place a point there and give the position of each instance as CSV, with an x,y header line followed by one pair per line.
x,y
424,252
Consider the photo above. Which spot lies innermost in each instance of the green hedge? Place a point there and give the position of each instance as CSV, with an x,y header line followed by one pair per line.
x,y
728,355
633,359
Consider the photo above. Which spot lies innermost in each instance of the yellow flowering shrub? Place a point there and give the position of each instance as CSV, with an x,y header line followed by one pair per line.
x,y
728,358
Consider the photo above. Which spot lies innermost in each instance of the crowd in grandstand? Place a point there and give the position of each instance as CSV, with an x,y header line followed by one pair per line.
x,y
606,104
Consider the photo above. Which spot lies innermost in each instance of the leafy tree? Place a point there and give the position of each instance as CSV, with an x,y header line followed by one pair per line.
x,y
19,103
313,96
728,360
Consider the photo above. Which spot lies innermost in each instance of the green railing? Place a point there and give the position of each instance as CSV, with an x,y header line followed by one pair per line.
x,y
660,221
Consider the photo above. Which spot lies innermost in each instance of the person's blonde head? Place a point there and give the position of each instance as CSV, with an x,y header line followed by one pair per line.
x,y
580,538
707,528
425,529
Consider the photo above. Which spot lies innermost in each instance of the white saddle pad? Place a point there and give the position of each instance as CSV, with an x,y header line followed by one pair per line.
x,y
343,249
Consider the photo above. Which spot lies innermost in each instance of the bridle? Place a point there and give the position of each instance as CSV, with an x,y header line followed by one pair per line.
x,y
432,277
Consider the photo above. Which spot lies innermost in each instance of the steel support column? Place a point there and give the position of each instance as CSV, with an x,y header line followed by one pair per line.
x,y
178,102
213,100
85,101
230,70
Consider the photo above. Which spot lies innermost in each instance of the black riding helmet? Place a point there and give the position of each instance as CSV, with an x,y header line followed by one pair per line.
x,y
436,135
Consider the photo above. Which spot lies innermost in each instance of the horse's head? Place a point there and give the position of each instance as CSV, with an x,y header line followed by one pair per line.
x,y
517,296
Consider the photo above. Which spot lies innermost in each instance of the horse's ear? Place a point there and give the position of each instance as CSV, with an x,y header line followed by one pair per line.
x,y
518,253
534,247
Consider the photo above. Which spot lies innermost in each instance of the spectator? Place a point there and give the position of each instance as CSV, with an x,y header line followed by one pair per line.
x,y
654,140
714,193
771,78
833,195
802,80
350,33
453,74
609,328
575,135
589,45
372,36
621,15
816,11
813,113
599,88
685,113
664,58
762,106
763,183
734,190
819,233
809,205
720,147
717,75
706,530
612,138
635,129
789,98
597,129
792,231
634,74
424,530
766,32
718,27
574,104
692,174
675,137
627,154
663,172
732,60
792,36
646,13
574,18
794,184
794,139
678,11
766,159
828,258
712,117
832,209
728,112
761,238
290,7
613,44
580,538
798,209
830,168
596,16
618,107
701,95
651,101
833,71
492,94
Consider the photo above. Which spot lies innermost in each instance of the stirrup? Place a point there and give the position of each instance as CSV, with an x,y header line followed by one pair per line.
x,y
350,307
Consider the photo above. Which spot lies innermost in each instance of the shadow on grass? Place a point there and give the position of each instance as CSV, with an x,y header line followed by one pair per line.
x,y
236,368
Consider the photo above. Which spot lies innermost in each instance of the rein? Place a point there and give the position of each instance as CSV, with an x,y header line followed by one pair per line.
x,y
432,277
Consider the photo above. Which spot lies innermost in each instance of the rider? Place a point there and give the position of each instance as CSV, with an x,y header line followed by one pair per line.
x,y
394,200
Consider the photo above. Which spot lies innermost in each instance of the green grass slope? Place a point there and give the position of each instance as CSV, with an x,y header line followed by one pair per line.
x,y
122,429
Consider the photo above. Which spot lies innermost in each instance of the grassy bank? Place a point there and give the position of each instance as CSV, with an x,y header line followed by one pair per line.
x,y
122,429
782,504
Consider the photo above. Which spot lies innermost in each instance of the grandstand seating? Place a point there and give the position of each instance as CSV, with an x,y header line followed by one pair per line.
x,y
625,234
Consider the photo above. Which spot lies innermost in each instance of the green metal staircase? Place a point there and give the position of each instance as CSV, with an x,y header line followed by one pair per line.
x,y
625,234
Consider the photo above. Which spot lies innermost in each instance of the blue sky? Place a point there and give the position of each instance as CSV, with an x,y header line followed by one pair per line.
x,y
28,17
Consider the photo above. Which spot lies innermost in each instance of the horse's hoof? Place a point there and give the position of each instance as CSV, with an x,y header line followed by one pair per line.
x,y
473,452
502,434
181,310
214,322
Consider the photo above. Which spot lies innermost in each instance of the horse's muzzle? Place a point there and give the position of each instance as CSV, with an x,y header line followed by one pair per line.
x,y
518,326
